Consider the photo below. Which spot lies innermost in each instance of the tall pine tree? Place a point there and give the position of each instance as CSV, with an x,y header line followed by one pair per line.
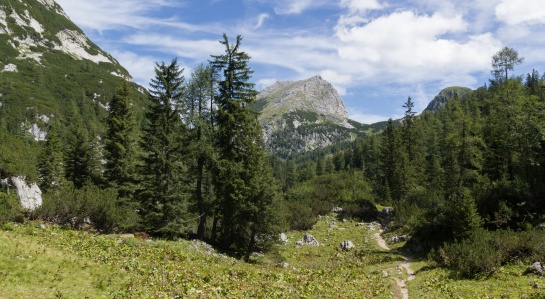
x,y
163,200
239,143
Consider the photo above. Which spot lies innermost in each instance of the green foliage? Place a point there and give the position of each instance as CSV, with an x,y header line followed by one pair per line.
x,y
246,193
10,208
484,251
162,195
87,206
121,144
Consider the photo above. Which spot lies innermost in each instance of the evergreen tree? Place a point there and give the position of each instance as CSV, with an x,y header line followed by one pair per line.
x,y
239,143
77,153
51,160
121,143
162,196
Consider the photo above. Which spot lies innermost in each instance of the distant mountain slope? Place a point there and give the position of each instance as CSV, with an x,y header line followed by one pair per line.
x,y
299,116
440,100
48,67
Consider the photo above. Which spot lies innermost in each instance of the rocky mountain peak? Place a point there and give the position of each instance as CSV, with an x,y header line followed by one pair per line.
x,y
313,95
298,116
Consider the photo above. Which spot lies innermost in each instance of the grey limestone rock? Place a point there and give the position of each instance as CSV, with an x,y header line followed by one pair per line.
x,y
346,245
308,239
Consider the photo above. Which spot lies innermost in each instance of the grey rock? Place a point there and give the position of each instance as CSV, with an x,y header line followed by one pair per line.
x,y
30,196
536,268
396,239
346,245
337,209
284,239
308,239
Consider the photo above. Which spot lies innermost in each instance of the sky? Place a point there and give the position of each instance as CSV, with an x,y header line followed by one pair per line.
x,y
376,53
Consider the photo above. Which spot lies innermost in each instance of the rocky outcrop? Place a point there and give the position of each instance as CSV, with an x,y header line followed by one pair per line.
x,y
284,239
30,196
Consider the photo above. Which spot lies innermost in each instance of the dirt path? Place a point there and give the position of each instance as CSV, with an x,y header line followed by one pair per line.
x,y
401,283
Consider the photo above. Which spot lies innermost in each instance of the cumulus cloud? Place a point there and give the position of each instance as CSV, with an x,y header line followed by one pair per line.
x,y
368,118
413,47
515,12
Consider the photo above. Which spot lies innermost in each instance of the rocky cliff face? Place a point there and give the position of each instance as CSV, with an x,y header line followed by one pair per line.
x,y
299,116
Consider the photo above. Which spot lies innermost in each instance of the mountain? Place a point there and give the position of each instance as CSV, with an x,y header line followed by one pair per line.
x,y
440,100
49,68
50,72
299,116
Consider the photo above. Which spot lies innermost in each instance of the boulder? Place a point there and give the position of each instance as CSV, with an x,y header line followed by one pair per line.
x,y
337,210
345,245
30,196
536,268
284,239
308,239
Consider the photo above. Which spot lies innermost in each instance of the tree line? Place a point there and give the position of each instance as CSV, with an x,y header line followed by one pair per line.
x,y
193,167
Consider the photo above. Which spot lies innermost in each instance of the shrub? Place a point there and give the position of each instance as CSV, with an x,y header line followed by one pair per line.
x,y
485,251
10,209
99,207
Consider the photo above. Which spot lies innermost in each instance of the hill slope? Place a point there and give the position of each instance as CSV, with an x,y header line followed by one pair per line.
x,y
50,71
440,100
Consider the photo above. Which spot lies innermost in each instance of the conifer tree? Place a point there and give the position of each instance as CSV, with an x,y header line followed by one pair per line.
x,y
77,153
121,143
239,143
162,197
51,164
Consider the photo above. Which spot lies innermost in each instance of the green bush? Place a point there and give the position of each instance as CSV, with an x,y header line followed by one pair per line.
x,y
89,205
485,251
10,208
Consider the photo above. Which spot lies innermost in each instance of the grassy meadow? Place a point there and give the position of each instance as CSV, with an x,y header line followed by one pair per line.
x,y
51,262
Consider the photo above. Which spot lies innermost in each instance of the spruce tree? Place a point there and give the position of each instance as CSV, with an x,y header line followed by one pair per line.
x,y
51,161
162,196
77,152
121,144
239,144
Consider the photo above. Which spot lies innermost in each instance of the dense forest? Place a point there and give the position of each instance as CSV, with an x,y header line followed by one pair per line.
x,y
466,178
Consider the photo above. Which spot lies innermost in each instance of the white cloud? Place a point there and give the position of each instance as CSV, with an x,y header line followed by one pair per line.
x,y
101,15
515,12
413,47
261,19
294,7
140,67
368,118
361,6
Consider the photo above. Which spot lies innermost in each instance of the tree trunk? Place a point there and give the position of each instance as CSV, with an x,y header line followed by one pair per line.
x,y
200,200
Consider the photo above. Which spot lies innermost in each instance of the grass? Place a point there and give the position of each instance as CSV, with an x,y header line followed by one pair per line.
x,y
57,263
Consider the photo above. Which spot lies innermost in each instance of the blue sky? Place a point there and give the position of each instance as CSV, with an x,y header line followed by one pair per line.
x,y
376,53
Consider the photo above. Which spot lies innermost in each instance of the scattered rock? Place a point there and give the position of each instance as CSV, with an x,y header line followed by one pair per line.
x,y
345,245
541,226
332,226
396,239
536,268
284,239
308,239
337,210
